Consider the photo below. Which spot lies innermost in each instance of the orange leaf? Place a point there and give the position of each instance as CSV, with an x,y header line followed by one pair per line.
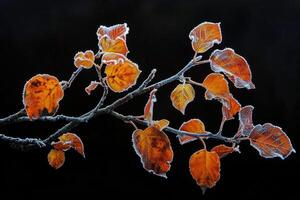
x,y
245,119
234,66
205,168
75,142
161,124
192,126
234,107
41,95
61,146
116,46
148,110
56,158
181,96
154,148
113,32
113,58
271,141
223,150
216,88
91,87
84,59
120,77
205,35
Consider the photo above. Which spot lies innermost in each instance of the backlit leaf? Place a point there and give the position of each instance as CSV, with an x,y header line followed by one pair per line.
x,y
181,96
75,142
41,95
148,110
205,35
223,150
113,32
191,126
122,76
154,148
205,168
56,158
109,45
217,88
271,141
84,59
234,66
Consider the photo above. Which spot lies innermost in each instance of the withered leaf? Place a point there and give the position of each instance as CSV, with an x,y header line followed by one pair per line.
x,y
74,141
222,150
41,95
245,119
154,148
234,66
122,76
191,126
205,35
270,141
181,96
84,59
113,32
56,158
233,108
205,168
148,110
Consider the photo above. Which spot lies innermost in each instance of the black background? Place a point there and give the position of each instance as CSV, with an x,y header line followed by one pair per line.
x,y
43,36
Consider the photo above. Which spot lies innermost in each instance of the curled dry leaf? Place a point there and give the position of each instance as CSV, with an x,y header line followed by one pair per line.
x,y
113,58
122,76
56,158
113,32
245,119
191,126
91,87
148,110
234,66
154,148
84,59
270,141
41,95
205,35
222,150
205,168
61,146
74,141
181,96
161,124
234,108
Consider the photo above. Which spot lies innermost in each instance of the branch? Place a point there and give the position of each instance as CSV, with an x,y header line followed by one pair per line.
x,y
75,121
204,135
12,118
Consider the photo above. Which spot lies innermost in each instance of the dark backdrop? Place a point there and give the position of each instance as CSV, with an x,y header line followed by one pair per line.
x,y
43,36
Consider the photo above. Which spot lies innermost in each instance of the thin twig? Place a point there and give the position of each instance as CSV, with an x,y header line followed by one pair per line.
x,y
13,117
176,131
75,121
72,78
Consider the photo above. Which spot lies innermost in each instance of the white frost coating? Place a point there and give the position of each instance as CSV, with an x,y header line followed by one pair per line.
x,y
210,44
273,152
238,82
164,175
